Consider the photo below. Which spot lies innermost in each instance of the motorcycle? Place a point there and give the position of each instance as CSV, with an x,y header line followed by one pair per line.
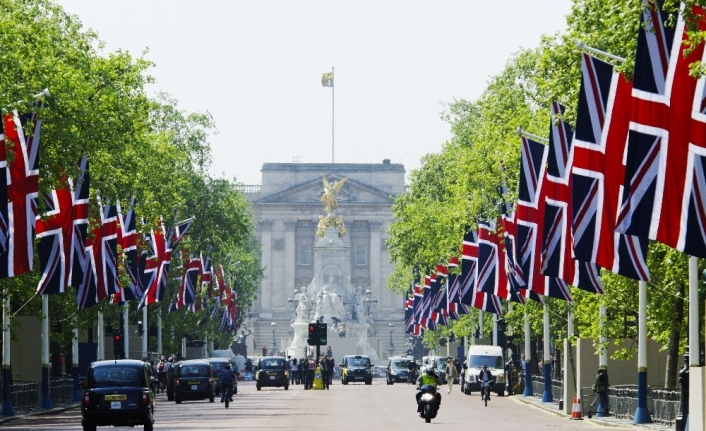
x,y
427,403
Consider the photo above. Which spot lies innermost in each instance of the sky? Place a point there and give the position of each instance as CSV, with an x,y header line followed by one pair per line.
x,y
256,66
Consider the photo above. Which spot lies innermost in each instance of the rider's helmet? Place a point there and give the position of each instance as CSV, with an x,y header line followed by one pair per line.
x,y
431,371
485,367
227,367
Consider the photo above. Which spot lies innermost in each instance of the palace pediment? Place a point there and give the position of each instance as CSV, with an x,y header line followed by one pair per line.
x,y
352,192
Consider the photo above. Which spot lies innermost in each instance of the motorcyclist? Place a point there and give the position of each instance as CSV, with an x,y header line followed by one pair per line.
x,y
411,368
227,378
162,369
432,379
485,376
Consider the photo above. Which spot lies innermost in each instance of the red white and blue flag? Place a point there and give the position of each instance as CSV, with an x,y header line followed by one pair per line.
x,y
666,149
127,240
157,264
469,262
530,222
100,273
557,241
17,222
598,171
454,288
492,278
189,282
62,234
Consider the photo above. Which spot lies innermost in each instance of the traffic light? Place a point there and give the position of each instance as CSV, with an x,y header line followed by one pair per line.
x,y
313,334
118,346
322,333
264,350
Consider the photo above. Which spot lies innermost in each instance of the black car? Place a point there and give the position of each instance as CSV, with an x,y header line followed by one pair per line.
x,y
398,369
192,381
356,368
217,365
272,371
117,393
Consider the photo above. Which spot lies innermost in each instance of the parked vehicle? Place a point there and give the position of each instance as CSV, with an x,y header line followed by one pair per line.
x,y
193,381
492,356
117,393
272,371
356,368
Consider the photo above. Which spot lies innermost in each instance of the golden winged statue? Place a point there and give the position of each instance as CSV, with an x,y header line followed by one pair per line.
x,y
330,192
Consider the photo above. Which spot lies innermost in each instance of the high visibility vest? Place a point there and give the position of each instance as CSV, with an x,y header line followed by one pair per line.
x,y
428,380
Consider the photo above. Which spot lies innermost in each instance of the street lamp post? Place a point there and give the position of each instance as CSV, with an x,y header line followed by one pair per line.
x,y
391,347
274,342
369,302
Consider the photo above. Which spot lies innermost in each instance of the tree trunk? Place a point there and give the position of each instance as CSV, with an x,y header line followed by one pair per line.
x,y
672,367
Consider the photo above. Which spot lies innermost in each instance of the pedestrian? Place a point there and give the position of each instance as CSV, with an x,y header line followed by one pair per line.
x,y
294,372
451,373
323,364
601,387
310,367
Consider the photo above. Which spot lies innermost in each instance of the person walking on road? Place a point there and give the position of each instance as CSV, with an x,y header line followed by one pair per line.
x,y
451,373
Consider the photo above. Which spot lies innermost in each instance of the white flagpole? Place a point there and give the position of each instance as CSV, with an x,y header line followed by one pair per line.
x,y
333,89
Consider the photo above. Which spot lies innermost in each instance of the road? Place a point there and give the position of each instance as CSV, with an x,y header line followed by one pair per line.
x,y
342,408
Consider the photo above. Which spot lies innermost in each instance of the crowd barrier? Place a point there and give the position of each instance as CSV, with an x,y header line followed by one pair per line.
x,y
25,395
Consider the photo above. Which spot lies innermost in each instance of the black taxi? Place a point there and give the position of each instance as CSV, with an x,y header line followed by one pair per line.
x,y
356,368
117,393
217,366
193,381
272,371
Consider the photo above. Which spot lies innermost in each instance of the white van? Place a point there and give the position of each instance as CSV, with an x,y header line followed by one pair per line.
x,y
492,356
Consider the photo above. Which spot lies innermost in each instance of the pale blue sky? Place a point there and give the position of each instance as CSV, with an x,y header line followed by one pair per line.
x,y
256,66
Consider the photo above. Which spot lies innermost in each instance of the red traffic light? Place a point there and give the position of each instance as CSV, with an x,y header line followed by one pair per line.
x,y
117,337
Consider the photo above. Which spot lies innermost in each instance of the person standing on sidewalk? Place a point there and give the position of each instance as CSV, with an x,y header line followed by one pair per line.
x,y
451,373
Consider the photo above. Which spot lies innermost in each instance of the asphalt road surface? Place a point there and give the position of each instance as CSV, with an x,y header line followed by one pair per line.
x,y
354,407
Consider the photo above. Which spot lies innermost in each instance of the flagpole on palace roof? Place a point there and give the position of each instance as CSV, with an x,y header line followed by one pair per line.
x,y
333,91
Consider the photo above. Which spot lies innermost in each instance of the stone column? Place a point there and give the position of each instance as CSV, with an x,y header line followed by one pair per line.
x,y
266,236
290,264
375,265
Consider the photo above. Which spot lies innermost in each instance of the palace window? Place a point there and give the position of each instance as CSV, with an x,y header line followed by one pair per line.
x,y
361,257
304,255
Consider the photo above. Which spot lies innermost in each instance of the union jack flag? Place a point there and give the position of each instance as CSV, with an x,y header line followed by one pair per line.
x,y
469,262
62,235
408,315
207,276
426,303
434,290
127,240
597,173
100,273
529,228
440,312
417,307
188,287
492,278
557,259
157,265
454,286
666,150
17,224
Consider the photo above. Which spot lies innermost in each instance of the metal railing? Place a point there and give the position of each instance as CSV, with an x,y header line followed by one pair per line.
x,y
24,395
538,388
61,391
662,404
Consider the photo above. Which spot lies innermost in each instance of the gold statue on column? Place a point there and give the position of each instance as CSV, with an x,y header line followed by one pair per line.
x,y
330,202
330,192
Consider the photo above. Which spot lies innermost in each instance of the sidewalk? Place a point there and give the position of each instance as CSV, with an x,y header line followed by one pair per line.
x,y
612,422
39,411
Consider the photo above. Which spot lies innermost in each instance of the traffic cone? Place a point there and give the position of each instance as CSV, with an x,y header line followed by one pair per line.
x,y
576,409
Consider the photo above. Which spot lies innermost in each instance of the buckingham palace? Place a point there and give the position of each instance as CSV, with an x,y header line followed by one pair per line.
x,y
338,247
